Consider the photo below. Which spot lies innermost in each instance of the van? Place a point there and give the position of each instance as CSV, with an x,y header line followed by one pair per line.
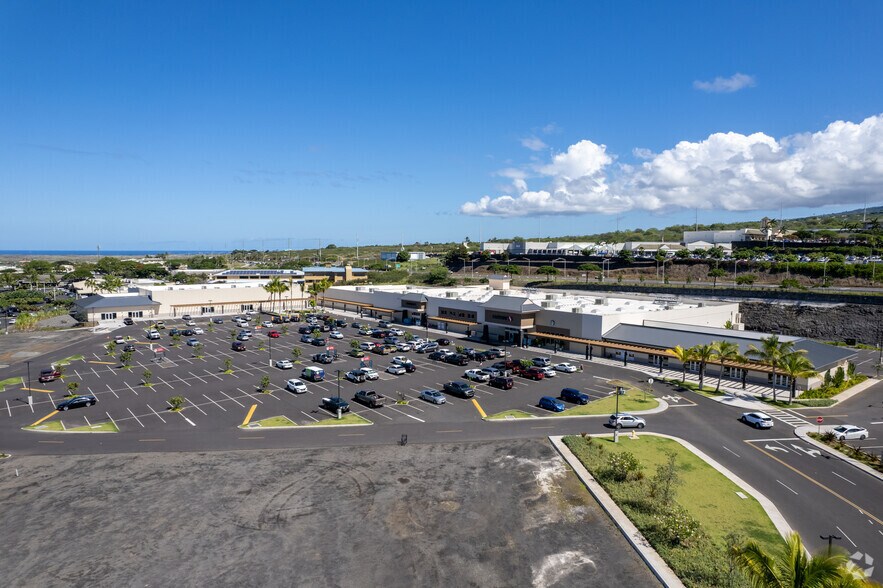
x,y
313,373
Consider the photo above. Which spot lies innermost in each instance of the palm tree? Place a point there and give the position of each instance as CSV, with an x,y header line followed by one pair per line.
x,y
703,354
272,288
316,288
92,283
772,352
280,290
724,351
110,284
684,356
791,567
796,365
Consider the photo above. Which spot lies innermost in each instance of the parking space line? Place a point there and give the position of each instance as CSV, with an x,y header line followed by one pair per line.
x,y
132,389
9,410
76,373
197,377
34,389
112,421
215,403
231,398
196,406
479,408
133,416
315,420
111,390
166,383
51,414
410,416
156,413
183,380
211,374
250,396
192,424
250,413
94,372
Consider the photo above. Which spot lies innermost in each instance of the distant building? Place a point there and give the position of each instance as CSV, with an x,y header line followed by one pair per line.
x,y
394,256
97,307
550,248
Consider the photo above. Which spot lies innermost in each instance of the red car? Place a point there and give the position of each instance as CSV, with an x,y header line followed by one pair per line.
x,y
274,334
533,373
49,376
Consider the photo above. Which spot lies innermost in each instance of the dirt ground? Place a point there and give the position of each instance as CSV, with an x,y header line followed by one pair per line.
x,y
490,514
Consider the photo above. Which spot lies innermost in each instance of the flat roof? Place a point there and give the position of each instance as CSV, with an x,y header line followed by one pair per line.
x,y
321,269
260,272
121,301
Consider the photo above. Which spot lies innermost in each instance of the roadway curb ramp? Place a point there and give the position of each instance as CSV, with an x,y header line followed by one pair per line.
x,y
653,560
801,432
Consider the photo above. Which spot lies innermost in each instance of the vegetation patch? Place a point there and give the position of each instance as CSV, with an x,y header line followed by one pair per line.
x,y
707,391
510,414
10,382
27,322
68,360
349,418
688,511
632,401
105,427
274,421
54,426
853,451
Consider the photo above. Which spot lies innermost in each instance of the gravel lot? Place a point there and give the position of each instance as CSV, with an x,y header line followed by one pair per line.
x,y
490,514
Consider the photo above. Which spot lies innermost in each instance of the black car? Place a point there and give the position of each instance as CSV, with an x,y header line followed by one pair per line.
x,y
461,389
356,325
409,367
318,342
334,403
218,321
128,321
437,355
443,341
305,330
322,358
340,323
130,347
187,332
502,382
186,317
77,402
174,332
238,346
574,395
456,359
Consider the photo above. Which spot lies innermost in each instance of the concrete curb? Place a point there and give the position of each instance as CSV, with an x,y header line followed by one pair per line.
x,y
801,432
663,406
638,542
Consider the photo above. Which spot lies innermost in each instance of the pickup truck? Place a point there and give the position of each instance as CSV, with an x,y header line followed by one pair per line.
x,y
322,358
333,403
370,398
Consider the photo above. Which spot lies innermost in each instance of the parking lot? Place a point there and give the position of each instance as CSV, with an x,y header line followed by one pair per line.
x,y
219,398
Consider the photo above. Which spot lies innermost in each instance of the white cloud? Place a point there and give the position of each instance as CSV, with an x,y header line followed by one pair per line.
x,y
719,85
643,153
533,143
550,129
841,164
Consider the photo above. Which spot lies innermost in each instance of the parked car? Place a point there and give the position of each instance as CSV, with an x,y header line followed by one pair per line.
x,y
192,341
549,372
186,317
128,321
190,323
553,404
238,346
267,324
461,389
433,396
844,432
49,375
502,382
624,421
274,334
567,368
383,324
355,376
369,373
305,330
456,359
153,335
306,339
476,376
574,395
397,370
533,373
313,373
318,342
403,346
187,333
442,341
437,356
198,331
218,320
354,324
335,335
370,398
541,361
119,340
284,364
491,372
174,332
340,323
502,353
243,337
322,358
333,404
77,402
758,420
130,347
428,348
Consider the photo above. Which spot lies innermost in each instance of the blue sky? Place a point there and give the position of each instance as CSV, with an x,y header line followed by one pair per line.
x,y
219,124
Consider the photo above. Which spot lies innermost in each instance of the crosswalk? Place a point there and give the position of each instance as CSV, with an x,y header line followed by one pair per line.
x,y
789,418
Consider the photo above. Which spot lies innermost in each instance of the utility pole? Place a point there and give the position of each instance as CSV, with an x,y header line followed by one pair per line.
x,y
830,539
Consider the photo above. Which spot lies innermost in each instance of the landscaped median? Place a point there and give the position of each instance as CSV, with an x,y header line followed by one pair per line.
x,y
633,401
273,422
349,418
688,510
10,382
58,427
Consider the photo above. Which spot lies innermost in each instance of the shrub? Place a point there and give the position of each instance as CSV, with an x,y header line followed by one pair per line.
x,y
621,466
790,283
827,436
746,279
838,378
176,403
674,526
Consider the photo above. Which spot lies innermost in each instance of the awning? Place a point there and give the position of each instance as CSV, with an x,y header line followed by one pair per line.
x,y
442,319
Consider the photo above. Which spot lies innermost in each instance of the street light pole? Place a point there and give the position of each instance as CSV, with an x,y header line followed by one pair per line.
x,y
830,539
30,397
338,384
616,412
270,350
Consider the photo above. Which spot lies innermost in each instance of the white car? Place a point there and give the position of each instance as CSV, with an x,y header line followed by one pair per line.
x,y
198,331
370,374
476,376
758,420
402,346
267,324
567,368
400,360
296,386
190,323
548,372
397,370
446,351
844,432
396,333
623,420
119,340
335,335
284,364
366,346
153,334
501,352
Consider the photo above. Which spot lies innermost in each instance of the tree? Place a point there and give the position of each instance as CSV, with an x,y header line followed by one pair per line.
x,y
176,339
176,403
295,353
796,365
197,350
111,347
403,256
355,345
703,354
437,275
771,352
684,356
273,287
72,388
790,566
626,255
317,288
126,358
724,351
146,375
228,366
110,284
264,386
588,267
716,273
548,270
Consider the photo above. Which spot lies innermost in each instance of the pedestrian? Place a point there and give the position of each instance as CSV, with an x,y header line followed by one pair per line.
x,y
580,368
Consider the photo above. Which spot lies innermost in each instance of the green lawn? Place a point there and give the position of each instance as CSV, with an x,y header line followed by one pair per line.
x,y
707,495
10,382
707,390
46,426
510,414
68,360
105,427
349,418
274,421
632,401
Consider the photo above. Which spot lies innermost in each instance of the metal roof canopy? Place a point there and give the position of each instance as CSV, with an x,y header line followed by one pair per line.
x,y
441,319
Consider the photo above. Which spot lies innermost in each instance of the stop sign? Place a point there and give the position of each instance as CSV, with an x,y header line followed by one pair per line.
x,y
820,420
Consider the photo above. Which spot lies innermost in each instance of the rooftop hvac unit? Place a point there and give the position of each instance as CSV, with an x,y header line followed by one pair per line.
x,y
600,301
361,288
576,309
505,292
553,296
547,304
450,294
619,309
700,305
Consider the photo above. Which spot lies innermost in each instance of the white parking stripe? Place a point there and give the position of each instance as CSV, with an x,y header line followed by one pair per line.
x,y
196,406
156,413
250,396
111,420
410,416
111,390
231,398
133,416
94,372
9,410
197,377
183,380
215,403
315,420
132,389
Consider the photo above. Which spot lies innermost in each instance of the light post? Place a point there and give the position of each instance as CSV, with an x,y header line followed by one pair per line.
x,y
830,539
30,397
605,264
338,384
270,349
649,387
618,390
735,261
825,272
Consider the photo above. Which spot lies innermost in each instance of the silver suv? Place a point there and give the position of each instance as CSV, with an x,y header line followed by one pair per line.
x,y
625,421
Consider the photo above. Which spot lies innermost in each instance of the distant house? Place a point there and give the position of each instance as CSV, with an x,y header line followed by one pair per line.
x,y
394,256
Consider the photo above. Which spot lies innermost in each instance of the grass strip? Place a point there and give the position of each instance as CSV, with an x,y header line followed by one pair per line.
x,y
703,498
105,427
274,421
68,360
46,426
707,391
349,418
510,414
632,401
11,382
